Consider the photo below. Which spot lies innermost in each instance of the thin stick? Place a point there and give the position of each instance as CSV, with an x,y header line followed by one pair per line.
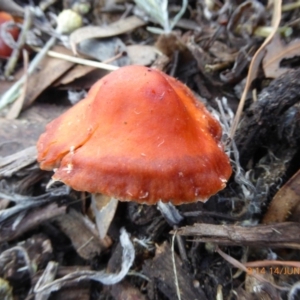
x,y
174,268
82,61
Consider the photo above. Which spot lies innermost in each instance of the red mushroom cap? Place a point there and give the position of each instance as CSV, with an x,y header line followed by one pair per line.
x,y
5,50
138,135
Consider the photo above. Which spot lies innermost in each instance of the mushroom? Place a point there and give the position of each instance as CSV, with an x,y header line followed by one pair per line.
x,y
139,135
6,50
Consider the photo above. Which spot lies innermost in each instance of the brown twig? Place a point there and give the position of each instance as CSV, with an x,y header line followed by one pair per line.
x,y
11,64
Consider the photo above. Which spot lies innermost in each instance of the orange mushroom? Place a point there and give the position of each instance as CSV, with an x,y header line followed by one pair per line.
x,y
6,50
138,135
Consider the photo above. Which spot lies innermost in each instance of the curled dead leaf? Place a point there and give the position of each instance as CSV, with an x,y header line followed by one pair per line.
x,y
286,203
110,50
113,29
276,52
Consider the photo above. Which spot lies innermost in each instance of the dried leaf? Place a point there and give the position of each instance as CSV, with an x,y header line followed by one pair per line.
x,y
81,82
77,72
50,70
142,54
276,52
285,202
189,25
111,49
113,29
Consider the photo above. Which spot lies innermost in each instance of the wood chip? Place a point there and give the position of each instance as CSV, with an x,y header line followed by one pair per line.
x,y
16,135
31,220
12,163
85,241
160,270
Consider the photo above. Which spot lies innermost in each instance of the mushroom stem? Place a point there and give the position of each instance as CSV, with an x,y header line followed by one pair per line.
x,y
173,217
104,209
